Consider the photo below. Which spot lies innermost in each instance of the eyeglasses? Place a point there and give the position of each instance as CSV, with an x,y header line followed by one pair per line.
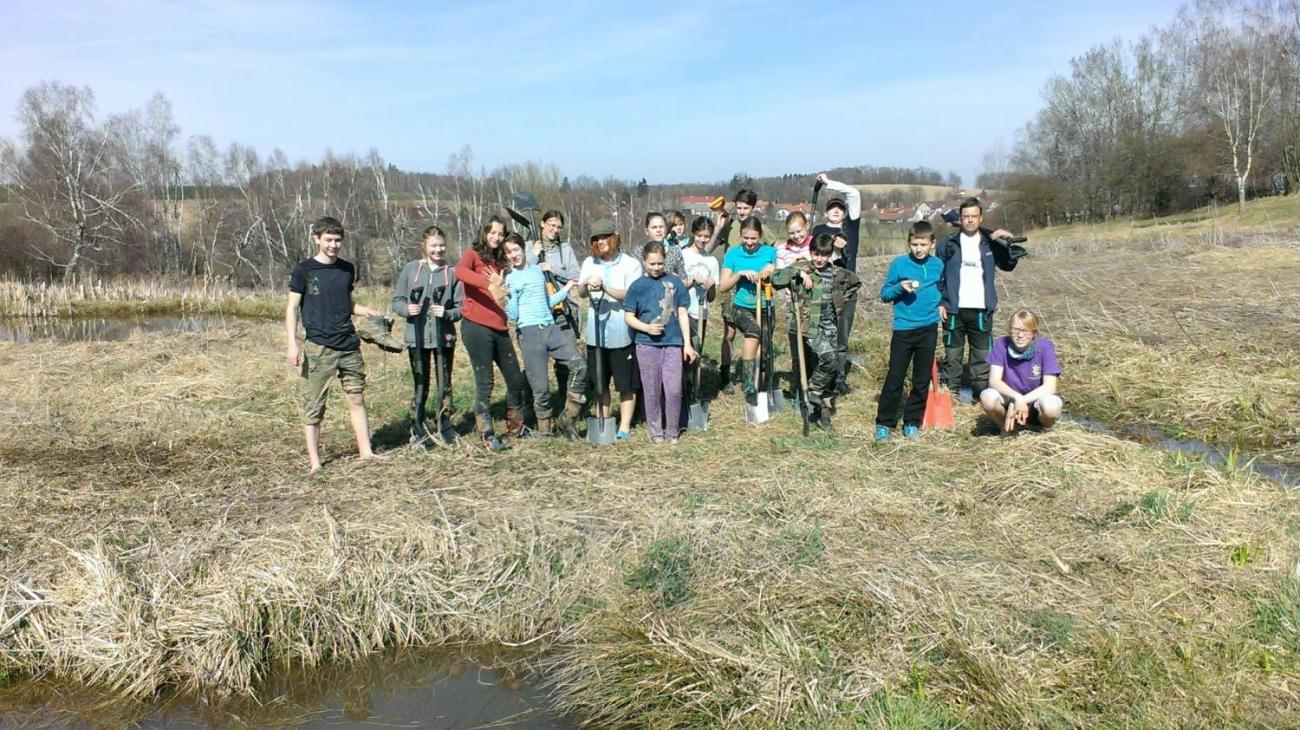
x,y
1019,331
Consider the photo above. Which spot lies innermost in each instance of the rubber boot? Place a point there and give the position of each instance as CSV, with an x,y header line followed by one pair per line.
x,y
725,376
446,429
564,420
577,385
543,426
419,435
747,384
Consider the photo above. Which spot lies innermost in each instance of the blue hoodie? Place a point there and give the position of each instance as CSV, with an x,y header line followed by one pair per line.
x,y
913,310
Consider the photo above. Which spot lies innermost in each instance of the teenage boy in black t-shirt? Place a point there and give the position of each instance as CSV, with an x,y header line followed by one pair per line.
x,y
321,287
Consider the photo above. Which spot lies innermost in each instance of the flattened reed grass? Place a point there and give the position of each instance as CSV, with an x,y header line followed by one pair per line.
x,y
138,296
131,297
155,501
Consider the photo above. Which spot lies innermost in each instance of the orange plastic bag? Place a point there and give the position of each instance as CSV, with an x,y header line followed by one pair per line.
x,y
938,404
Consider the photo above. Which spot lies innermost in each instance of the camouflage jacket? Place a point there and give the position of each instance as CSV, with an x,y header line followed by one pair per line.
x,y
843,292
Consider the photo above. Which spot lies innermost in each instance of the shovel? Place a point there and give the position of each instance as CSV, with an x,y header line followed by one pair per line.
x,y
775,396
600,431
817,188
756,406
697,414
805,405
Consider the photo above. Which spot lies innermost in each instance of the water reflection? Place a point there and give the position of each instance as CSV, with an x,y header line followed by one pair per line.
x,y
416,689
1285,475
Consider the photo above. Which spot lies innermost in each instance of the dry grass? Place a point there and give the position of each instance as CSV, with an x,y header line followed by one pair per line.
x,y
161,535
131,297
156,505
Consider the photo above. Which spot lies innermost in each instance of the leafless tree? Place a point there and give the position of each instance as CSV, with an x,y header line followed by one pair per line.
x,y
62,176
1237,75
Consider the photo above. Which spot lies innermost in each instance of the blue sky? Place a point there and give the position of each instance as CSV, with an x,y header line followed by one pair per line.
x,y
668,91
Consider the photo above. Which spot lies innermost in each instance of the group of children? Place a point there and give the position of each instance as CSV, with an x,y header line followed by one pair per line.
x,y
646,318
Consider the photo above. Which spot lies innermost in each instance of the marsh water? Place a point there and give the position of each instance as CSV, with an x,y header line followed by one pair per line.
x,y
1287,476
403,689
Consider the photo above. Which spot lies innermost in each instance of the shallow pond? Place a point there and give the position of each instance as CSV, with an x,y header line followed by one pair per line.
x,y
412,689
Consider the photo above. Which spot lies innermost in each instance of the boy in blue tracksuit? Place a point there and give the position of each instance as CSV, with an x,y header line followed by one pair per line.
x,y
912,286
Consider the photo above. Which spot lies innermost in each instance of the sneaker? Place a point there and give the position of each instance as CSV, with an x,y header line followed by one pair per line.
x,y
882,433
911,432
622,436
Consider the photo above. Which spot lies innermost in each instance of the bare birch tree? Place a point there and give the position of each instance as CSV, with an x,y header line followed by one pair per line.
x,y
62,176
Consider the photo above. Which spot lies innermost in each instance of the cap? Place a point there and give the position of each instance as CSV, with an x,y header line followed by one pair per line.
x,y
836,202
602,227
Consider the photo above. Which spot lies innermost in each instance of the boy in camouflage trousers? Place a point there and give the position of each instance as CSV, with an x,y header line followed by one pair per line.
x,y
823,291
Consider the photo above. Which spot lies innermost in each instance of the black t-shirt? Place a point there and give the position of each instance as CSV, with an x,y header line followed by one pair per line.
x,y
851,228
326,291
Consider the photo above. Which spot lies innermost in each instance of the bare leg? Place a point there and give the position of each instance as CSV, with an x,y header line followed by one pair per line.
x,y
626,407
313,446
991,404
360,424
1049,410
602,404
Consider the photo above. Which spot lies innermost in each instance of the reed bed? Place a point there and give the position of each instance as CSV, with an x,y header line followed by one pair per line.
x,y
133,297
161,536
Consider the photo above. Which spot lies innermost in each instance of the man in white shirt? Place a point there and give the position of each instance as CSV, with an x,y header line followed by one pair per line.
x,y
970,258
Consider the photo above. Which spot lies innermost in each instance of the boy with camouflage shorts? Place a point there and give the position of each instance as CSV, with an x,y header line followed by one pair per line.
x,y
321,288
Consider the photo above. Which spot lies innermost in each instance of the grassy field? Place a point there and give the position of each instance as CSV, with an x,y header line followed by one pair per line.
x,y
161,533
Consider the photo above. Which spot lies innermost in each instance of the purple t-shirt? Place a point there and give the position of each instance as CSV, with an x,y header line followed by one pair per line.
x,y
1024,375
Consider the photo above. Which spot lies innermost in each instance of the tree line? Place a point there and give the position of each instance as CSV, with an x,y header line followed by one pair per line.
x,y
128,194
1205,108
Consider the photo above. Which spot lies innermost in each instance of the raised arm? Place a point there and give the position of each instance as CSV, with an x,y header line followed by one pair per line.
x,y
852,197
719,223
